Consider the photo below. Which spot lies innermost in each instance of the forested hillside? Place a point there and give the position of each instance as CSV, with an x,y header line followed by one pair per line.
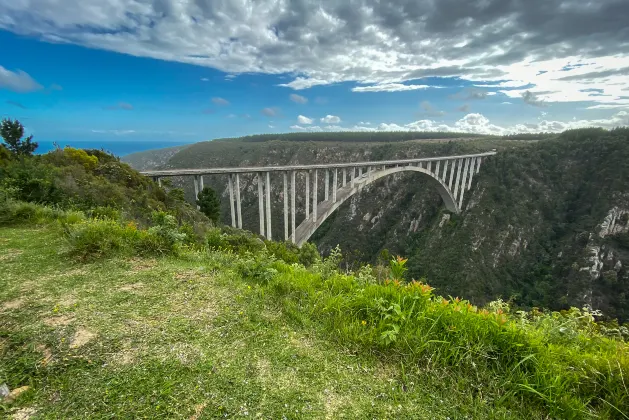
x,y
545,224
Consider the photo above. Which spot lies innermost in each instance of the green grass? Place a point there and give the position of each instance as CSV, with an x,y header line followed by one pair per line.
x,y
175,337
215,334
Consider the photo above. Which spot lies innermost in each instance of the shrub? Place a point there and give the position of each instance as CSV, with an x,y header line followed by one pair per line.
x,y
209,204
309,254
97,238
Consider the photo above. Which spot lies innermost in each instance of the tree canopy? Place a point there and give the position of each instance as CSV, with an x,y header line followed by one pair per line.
x,y
12,132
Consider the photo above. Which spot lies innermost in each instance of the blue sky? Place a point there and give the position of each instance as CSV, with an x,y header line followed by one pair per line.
x,y
165,71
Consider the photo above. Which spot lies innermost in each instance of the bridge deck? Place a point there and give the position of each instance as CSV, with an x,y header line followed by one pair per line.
x,y
209,171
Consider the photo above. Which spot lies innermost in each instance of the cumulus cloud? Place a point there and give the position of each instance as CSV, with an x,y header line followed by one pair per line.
x,y
557,46
304,120
389,87
479,124
331,119
17,81
298,98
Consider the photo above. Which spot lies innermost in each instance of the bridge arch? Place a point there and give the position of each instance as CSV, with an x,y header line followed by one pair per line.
x,y
304,231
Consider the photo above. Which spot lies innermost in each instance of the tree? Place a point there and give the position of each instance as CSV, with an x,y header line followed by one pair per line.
x,y
12,132
210,205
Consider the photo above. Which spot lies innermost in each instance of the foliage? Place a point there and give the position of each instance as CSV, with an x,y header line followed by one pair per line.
x,y
347,136
209,204
12,132
398,267
97,238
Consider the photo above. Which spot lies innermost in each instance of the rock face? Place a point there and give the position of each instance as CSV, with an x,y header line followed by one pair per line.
x,y
545,224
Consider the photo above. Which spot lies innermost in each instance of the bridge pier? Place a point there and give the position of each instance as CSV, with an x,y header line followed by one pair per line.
x,y
307,195
327,184
335,185
230,187
261,203
314,195
285,176
268,206
292,204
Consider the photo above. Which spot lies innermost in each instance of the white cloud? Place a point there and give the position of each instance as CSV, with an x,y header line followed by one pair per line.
x,y
304,120
555,50
17,81
298,98
205,79
270,112
220,101
390,87
506,103
331,119
479,124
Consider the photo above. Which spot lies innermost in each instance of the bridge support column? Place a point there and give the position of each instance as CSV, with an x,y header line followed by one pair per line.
x,y
292,204
268,206
307,195
469,181
360,172
344,176
429,165
196,190
452,170
437,169
201,183
230,187
353,177
480,160
463,182
458,179
327,185
445,171
314,196
261,202
335,186
285,206
238,209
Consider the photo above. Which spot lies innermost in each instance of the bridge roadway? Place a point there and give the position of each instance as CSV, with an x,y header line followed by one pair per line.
x,y
450,175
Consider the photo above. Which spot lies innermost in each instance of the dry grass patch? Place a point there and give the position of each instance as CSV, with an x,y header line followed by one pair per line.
x,y
59,321
45,351
139,265
24,413
333,402
10,254
12,304
132,288
81,338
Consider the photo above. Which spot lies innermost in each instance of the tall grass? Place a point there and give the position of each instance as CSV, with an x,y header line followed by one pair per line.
x,y
559,361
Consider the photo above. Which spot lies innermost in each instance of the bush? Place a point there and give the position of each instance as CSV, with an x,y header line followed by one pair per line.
x,y
19,212
97,238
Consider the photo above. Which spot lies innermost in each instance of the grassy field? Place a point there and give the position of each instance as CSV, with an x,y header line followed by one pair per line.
x,y
181,338
221,335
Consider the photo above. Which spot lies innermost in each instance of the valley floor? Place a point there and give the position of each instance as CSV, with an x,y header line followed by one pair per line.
x,y
181,338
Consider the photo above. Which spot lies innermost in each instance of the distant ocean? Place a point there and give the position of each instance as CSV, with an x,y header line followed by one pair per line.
x,y
118,148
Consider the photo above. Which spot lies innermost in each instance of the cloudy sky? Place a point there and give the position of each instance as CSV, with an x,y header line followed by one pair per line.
x,y
189,70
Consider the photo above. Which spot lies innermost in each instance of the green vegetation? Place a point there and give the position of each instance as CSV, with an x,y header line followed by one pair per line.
x,y
209,204
229,332
12,132
119,299
358,136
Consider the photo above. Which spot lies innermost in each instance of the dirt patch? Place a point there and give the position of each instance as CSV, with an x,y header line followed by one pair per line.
x,y
24,413
10,254
46,352
138,265
135,287
59,321
13,304
81,338
187,275
198,409
67,300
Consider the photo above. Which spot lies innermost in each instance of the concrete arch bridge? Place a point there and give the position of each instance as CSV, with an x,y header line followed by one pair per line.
x,y
451,176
